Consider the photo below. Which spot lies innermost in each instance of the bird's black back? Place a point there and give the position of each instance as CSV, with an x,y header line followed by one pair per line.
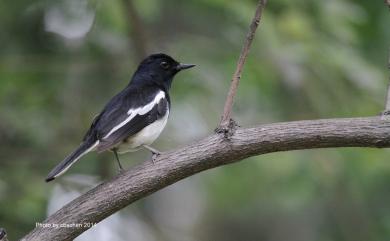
x,y
149,79
115,111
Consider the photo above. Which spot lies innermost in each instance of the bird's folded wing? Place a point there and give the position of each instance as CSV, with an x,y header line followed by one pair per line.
x,y
135,121
118,111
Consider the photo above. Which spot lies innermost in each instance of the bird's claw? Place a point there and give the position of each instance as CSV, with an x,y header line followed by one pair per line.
x,y
385,115
386,112
155,155
120,170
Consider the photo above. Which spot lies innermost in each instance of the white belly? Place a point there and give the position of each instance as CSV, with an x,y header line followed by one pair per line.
x,y
145,137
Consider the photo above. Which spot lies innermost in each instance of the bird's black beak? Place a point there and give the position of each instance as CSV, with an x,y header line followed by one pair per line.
x,y
184,66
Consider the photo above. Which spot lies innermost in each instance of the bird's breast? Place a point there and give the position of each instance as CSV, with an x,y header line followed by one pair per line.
x,y
144,137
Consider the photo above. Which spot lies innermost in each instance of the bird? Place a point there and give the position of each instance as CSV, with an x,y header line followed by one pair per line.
x,y
134,118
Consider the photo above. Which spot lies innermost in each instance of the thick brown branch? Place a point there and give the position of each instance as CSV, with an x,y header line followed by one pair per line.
x,y
227,111
213,151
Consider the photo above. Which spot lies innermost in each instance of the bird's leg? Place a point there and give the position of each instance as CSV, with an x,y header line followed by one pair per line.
x,y
155,152
117,159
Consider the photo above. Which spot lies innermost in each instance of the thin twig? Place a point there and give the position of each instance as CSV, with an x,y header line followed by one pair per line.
x,y
386,112
136,29
227,111
387,107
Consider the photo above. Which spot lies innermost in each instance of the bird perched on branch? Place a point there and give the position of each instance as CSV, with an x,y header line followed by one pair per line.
x,y
133,118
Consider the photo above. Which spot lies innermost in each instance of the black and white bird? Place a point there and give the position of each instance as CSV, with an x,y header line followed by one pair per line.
x,y
133,118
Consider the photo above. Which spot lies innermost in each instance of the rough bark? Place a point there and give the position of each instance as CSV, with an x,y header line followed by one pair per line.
x,y
212,151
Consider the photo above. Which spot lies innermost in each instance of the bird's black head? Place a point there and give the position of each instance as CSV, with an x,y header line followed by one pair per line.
x,y
158,69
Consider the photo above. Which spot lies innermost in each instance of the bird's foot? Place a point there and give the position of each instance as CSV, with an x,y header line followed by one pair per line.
x,y
155,156
386,112
120,170
155,153
385,115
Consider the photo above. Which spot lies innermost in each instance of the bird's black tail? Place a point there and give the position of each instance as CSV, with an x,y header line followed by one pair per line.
x,y
83,149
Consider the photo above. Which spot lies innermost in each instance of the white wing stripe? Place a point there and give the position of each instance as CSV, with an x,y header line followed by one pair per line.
x,y
140,111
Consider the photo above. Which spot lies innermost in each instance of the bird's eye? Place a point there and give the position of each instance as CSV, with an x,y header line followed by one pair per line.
x,y
165,65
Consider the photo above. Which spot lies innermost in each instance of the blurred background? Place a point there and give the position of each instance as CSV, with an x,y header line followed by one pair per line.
x,y
61,61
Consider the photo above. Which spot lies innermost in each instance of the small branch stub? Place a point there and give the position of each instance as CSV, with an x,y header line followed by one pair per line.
x,y
229,131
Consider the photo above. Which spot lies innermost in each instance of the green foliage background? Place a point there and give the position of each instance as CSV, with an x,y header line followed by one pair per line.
x,y
310,59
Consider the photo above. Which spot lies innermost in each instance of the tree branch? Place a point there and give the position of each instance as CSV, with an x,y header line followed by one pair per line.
x,y
226,124
213,151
